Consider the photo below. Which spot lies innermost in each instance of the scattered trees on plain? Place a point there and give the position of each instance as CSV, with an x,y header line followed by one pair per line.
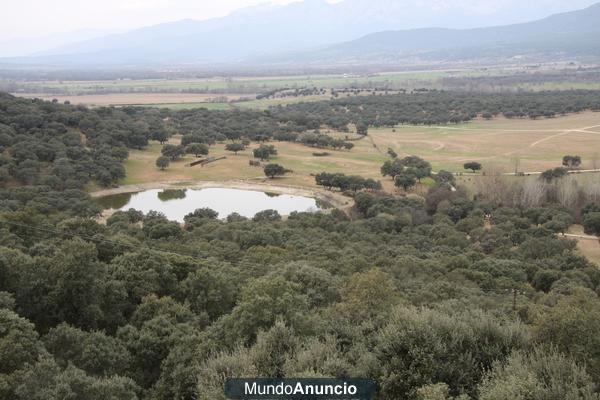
x,y
173,151
273,170
197,149
163,162
473,166
264,152
571,162
235,147
406,172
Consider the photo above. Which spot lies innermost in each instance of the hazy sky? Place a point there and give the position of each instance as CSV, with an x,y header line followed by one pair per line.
x,y
22,18
27,18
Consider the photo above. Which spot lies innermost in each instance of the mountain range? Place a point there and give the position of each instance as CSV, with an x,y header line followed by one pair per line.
x,y
316,32
570,34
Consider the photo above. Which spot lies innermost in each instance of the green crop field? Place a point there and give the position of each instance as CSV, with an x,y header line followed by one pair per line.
x,y
229,84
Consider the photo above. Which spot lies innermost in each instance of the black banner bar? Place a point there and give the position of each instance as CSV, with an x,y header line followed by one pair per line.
x,y
299,389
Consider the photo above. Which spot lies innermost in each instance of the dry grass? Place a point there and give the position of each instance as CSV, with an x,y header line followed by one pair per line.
x,y
589,247
538,145
363,160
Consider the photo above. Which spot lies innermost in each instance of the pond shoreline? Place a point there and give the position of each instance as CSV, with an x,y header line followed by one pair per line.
x,y
337,200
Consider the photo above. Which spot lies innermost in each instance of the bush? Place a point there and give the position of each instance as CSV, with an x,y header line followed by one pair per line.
x,y
541,375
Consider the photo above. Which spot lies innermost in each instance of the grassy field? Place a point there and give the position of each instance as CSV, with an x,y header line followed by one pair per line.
x,y
500,143
364,159
258,84
164,92
245,84
177,101
588,247
180,93
538,144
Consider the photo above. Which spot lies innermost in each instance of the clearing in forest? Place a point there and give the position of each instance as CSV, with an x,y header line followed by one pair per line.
x,y
499,144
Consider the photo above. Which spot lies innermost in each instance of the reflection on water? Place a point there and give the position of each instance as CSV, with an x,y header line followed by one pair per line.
x,y
177,203
172,194
114,201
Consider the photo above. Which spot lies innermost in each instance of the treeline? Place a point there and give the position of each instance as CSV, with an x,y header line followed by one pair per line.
x,y
530,80
64,147
346,182
362,112
322,141
438,107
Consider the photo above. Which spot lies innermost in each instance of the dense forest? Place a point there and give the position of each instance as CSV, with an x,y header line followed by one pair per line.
x,y
439,107
439,297
292,122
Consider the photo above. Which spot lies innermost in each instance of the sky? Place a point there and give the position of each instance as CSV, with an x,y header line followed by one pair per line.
x,y
33,25
34,18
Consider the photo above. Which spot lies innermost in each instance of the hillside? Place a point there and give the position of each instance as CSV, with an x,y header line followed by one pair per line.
x,y
305,33
574,33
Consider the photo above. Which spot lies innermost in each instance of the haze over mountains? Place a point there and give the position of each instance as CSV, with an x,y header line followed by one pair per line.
x,y
307,32
571,34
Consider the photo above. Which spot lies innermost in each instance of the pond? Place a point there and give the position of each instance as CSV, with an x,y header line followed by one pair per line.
x,y
177,203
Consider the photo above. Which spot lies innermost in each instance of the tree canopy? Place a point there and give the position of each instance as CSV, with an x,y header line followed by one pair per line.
x,y
438,294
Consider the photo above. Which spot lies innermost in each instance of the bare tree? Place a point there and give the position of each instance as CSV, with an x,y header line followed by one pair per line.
x,y
567,192
493,186
533,193
592,189
517,163
595,160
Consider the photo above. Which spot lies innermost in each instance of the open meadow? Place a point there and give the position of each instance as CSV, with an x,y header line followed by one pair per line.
x,y
363,160
503,144
586,244
498,144
233,84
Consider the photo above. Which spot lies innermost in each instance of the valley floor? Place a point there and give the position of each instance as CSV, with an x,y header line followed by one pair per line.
x,y
501,145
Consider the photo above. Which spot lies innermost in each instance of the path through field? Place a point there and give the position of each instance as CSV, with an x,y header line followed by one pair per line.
x,y
582,130
533,145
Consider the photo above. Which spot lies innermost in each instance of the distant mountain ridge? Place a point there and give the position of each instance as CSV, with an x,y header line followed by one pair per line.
x,y
555,27
281,35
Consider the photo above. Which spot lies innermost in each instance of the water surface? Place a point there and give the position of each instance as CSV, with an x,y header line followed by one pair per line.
x,y
177,203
